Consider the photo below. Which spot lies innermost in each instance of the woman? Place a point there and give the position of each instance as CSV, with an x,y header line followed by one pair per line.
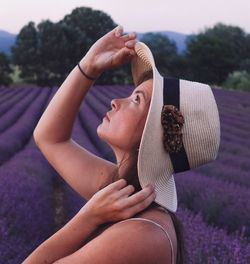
x,y
147,154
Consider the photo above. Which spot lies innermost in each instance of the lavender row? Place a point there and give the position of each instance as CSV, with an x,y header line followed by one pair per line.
x,y
11,116
236,124
234,160
238,133
227,171
234,148
4,90
7,96
238,141
207,244
7,90
28,201
231,96
15,138
239,125
221,203
26,211
7,105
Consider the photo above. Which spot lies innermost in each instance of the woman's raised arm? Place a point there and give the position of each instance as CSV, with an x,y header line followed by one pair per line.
x,y
82,170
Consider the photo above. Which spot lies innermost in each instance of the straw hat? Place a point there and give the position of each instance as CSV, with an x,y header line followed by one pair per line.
x,y
189,143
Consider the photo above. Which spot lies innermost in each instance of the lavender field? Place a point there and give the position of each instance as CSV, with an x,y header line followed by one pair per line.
x,y
35,201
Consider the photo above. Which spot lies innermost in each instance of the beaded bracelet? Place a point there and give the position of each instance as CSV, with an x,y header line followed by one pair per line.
x,y
84,74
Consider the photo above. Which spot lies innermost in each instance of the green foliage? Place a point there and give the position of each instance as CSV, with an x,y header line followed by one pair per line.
x,y
216,52
15,75
25,52
245,64
47,53
5,70
238,80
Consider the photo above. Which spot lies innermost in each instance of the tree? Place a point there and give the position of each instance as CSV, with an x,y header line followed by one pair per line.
x,y
48,53
5,70
164,51
239,80
245,63
25,52
216,52
89,25
55,48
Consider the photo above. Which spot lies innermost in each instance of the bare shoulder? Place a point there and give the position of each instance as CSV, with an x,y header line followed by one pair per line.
x,y
145,241
129,242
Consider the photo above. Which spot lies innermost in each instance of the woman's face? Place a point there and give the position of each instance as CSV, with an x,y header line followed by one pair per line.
x,y
127,118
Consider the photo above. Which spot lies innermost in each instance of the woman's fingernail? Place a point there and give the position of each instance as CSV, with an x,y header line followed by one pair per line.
x,y
119,31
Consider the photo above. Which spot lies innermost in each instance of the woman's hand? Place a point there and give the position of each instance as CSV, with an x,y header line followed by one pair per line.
x,y
113,202
110,51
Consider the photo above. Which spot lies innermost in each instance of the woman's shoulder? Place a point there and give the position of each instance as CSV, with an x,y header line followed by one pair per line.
x,y
137,241
153,231
140,241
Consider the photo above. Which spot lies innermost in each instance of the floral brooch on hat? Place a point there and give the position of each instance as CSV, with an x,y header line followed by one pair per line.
x,y
172,121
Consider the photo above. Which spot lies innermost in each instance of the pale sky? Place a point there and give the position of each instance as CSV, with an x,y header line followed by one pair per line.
x,y
186,16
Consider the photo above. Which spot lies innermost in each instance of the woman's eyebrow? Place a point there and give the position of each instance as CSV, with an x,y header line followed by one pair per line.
x,y
140,91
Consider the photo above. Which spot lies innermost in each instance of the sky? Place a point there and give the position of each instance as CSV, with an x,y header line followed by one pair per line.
x,y
183,16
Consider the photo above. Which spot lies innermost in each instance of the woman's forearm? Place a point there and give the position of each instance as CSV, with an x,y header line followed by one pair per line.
x,y
56,123
65,241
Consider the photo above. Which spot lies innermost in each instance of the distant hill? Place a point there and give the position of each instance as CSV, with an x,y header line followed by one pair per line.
x,y
6,41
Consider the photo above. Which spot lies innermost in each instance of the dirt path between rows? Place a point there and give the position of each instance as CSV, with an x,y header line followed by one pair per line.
x,y
59,214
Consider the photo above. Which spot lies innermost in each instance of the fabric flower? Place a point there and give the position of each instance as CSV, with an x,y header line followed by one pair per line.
x,y
172,121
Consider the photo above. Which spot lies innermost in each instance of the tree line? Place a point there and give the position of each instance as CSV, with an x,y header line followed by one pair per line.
x,y
46,53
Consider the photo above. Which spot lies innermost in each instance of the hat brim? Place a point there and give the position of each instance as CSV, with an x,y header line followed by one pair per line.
x,y
154,164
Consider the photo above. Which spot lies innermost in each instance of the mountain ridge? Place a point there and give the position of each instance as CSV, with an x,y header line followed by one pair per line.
x,y
7,39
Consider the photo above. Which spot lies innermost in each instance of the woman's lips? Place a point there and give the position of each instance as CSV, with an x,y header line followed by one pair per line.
x,y
106,116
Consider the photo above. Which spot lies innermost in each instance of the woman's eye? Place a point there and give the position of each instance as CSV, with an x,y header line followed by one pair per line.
x,y
137,98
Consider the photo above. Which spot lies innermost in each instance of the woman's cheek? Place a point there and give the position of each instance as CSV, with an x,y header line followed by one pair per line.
x,y
120,131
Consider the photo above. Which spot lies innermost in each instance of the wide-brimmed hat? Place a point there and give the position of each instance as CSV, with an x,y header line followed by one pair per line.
x,y
189,143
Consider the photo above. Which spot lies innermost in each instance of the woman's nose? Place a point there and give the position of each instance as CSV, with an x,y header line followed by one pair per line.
x,y
115,103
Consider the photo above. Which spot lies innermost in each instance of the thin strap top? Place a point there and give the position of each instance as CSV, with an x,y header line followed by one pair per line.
x,y
171,244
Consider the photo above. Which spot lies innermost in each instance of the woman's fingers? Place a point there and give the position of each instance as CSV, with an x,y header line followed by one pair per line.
x,y
129,36
141,197
130,43
116,186
124,36
142,205
123,56
129,189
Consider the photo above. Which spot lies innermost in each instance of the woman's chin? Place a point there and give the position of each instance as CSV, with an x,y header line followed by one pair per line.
x,y
100,132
